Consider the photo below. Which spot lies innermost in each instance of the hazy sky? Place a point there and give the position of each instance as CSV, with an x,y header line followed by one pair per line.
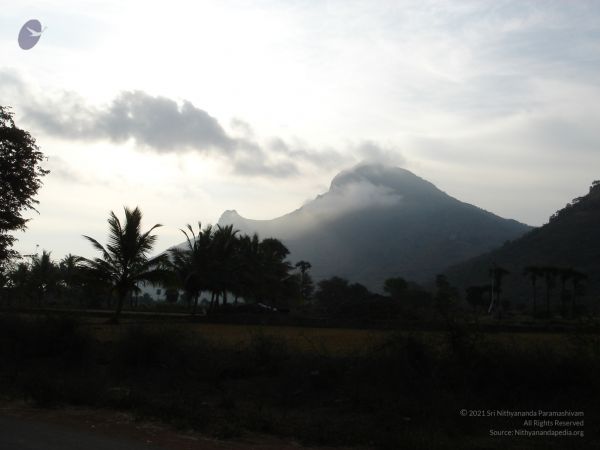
x,y
191,108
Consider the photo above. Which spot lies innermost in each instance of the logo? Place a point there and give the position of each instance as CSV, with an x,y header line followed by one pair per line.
x,y
30,34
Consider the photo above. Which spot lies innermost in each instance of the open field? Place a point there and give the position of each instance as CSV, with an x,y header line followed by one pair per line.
x,y
319,386
329,341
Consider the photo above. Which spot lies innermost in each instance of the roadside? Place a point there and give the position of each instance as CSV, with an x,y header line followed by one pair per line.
x,y
25,428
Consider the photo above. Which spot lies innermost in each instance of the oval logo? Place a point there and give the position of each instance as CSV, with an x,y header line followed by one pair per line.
x,y
30,34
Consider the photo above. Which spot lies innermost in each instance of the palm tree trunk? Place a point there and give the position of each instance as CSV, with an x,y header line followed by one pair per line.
x,y
195,304
212,301
534,298
574,298
119,308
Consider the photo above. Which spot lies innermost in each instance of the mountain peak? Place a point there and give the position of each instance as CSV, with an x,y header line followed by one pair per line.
x,y
228,216
379,221
393,178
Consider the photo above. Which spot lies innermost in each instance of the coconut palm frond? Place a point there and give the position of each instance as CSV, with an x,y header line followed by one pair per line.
x,y
124,261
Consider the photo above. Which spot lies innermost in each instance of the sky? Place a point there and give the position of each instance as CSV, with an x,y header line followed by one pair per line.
x,y
188,109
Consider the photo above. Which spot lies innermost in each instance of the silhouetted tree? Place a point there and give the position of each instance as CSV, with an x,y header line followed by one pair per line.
x,y
44,276
533,272
19,282
395,287
223,250
477,295
576,279
564,274
125,261
497,275
446,297
171,295
275,282
190,265
71,276
338,297
20,179
221,262
248,272
306,283
550,273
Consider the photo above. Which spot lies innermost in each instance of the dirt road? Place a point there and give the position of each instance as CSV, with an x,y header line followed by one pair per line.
x,y
26,428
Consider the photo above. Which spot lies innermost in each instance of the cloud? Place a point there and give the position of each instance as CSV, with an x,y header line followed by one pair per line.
x,y
249,166
354,196
372,152
325,159
163,125
157,123
61,169
358,193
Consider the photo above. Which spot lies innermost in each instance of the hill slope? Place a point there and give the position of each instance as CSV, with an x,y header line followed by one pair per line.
x,y
571,239
376,222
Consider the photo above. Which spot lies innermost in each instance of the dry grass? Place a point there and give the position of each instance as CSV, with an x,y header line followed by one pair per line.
x,y
325,341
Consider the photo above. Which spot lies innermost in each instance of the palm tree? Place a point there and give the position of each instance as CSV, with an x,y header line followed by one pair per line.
x,y
497,274
306,283
44,274
223,251
190,265
576,278
71,274
247,270
20,279
565,275
125,260
533,272
550,273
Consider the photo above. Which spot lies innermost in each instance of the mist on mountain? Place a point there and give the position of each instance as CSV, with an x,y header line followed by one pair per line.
x,y
378,221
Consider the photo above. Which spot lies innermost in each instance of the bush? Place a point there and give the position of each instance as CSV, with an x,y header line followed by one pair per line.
x,y
144,350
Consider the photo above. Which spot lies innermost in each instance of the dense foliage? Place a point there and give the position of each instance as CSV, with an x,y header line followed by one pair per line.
x,y
125,262
20,179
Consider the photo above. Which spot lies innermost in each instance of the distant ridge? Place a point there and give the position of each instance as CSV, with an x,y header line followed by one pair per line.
x,y
377,221
571,239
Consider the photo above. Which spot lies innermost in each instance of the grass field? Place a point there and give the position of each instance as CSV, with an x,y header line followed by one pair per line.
x,y
329,341
319,386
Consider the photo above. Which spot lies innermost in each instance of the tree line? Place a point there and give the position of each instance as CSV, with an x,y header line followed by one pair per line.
x,y
233,269
217,260
569,281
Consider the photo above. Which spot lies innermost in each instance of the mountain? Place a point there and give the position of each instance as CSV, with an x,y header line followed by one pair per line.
x,y
571,239
376,222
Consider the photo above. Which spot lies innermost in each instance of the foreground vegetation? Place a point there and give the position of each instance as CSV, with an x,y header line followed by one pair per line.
x,y
403,391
